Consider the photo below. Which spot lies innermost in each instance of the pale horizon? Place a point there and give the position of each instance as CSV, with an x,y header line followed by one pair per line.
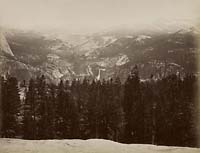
x,y
93,15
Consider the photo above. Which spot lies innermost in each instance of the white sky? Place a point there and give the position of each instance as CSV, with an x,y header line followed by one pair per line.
x,y
93,14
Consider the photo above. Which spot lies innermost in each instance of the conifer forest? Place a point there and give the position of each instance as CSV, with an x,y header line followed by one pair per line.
x,y
155,111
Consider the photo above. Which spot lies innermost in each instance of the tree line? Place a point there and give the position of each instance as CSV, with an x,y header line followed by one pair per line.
x,y
159,112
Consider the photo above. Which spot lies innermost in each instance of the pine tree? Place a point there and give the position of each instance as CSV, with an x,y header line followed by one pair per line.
x,y
133,109
29,119
61,111
102,116
1,98
75,107
10,107
114,109
174,111
190,111
149,98
66,113
83,109
42,107
93,111
51,112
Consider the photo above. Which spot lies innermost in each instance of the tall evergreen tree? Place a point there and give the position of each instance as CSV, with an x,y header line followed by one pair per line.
x,y
29,118
83,109
75,107
10,107
61,98
1,98
190,112
149,97
93,109
133,109
51,112
114,109
42,107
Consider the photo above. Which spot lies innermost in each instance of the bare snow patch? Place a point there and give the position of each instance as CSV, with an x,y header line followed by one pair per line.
x,y
52,57
56,73
129,36
89,70
22,94
174,64
117,60
83,146
109,39
122,60
142,37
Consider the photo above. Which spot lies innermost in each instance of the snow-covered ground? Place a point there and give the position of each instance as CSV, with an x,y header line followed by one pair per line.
x,y
84,146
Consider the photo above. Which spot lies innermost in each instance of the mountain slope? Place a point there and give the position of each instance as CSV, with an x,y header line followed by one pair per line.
x,y
4,46
101,55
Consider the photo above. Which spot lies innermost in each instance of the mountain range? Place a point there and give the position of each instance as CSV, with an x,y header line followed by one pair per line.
x,y
111,53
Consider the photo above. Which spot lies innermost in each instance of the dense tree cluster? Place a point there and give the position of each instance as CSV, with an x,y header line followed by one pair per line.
x,y
153,111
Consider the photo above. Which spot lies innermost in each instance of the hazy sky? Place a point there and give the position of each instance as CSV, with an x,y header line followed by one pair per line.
x,y
93,14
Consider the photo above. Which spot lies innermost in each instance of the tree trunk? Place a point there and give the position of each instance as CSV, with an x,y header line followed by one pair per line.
x,y
1,111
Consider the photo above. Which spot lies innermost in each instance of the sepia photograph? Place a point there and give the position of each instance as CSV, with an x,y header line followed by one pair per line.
x,y
99,76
